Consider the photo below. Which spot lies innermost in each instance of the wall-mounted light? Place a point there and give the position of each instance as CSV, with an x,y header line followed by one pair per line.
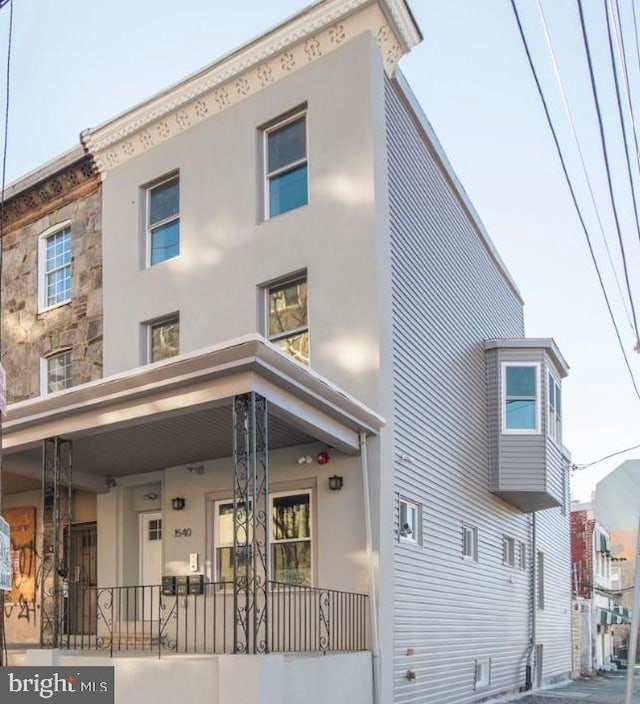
x,y
305,459
178,503
198,469
151,496
335,482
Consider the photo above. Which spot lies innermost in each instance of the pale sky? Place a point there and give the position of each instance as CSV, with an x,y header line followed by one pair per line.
x,y
75,64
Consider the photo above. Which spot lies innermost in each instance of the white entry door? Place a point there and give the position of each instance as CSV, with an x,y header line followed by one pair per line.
x,y
150,559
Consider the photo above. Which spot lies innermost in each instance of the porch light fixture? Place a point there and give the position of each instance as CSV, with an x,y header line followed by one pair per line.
x,y
335,482
305,459
198,469
151,496
178,503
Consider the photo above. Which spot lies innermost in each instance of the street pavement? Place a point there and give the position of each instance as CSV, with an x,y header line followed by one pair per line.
x,y
604,689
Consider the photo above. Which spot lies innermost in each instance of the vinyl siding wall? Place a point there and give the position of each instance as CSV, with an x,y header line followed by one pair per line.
x,y
448,296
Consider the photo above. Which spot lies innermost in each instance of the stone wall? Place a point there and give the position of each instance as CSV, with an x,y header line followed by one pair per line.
x,y
28,336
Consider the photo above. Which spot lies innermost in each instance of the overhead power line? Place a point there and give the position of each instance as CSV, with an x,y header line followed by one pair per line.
x,y
606,457
622,57
573,195
574,132
605,154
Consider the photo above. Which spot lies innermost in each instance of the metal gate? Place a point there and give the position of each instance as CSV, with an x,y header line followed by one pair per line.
x,y
80,601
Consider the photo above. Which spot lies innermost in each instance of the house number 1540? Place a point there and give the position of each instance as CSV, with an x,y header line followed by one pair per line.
x,y
182,532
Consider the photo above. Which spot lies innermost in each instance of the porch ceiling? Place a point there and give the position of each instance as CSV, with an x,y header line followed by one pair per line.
x,y
180,411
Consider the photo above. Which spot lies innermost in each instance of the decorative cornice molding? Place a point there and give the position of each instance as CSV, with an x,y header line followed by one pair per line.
x,y
56,189
298,42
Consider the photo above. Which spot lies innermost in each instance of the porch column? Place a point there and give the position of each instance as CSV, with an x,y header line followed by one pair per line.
x,y
56,521
251,524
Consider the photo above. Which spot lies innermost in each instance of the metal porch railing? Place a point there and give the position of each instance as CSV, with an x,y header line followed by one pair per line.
x,y
143,618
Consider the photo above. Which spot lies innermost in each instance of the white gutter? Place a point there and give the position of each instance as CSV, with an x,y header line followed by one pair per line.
x,y
373,602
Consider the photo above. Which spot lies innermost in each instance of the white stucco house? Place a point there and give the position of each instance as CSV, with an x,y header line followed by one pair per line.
x,y
320,459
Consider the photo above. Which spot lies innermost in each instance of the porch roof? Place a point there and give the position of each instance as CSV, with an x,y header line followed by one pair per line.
x,y
179,411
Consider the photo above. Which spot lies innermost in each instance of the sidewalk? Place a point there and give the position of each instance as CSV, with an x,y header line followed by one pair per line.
x,y
604,689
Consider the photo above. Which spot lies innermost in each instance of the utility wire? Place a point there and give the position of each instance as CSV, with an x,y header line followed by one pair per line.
x,y
622,58
605,155
635,32
614,70
3,640
573,195
569,115
606,457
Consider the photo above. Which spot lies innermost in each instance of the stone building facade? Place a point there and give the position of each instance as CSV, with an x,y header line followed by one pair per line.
x,y
64,191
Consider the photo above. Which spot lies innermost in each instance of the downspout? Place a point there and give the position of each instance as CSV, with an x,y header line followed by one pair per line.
x,y
532,643
373,604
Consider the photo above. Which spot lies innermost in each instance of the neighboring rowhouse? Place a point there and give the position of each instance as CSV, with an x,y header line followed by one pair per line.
x,y
594,598
617,501
51,340
320,432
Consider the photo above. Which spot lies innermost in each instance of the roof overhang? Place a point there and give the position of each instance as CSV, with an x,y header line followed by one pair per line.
x,y
192,393
546,344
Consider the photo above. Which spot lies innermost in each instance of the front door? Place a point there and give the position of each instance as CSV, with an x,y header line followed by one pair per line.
x,y
150,558
82,579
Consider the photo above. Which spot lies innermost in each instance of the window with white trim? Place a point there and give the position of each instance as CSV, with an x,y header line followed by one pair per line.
x,y
291,526
520,398
482,673
163,220
163,338
469,542
291,539
409,519
508,551
554,404
56,372
223,542
522,556
286,179
287,321
54,268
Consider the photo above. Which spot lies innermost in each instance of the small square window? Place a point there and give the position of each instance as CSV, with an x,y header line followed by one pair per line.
x,y
409,518
56,373
54,269
163,221
163,339
155,529
286,182
287,318
470,542
508,551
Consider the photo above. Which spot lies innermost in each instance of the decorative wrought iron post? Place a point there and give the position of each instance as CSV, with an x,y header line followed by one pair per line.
x,y
56,522
251,524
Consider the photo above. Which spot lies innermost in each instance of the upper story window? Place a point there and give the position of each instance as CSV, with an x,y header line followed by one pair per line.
x,y
56,373
163,220
555,410
409,521
54,268
286,183
521,398
163,338
287,319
